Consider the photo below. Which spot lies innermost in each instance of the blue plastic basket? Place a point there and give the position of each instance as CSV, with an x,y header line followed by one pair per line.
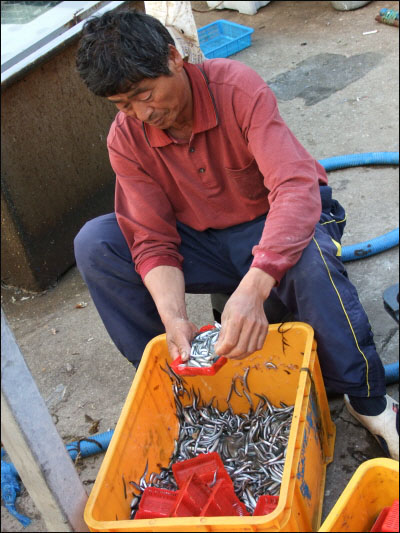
x,y
223,38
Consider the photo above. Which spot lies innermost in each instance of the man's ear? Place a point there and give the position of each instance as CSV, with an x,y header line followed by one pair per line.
x,y
175,60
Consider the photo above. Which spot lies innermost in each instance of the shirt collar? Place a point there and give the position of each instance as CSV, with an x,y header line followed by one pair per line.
x,y
205,114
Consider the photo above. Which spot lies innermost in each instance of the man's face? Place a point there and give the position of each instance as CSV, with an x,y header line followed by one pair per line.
x,y
161,101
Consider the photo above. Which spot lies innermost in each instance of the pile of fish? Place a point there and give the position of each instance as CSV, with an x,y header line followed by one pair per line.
x,y
202,352
252,445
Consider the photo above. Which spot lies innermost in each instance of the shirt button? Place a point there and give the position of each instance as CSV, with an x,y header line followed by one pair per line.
x,y
191,149
202,170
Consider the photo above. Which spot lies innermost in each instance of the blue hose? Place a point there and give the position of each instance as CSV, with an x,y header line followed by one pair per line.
x,y
392,373
10,480
358,160
371,247
91,445
378,244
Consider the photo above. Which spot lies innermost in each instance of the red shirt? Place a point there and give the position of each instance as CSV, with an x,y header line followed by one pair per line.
x,y
241,161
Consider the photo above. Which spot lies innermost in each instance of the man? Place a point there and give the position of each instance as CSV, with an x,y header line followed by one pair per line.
x,y
215,194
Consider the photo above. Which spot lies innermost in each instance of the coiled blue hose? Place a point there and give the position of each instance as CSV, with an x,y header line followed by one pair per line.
x,y
378,244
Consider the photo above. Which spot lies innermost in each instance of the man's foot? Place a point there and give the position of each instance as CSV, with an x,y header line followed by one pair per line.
x,y
383,426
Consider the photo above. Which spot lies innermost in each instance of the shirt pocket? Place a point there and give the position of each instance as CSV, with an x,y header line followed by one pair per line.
x,y
248,181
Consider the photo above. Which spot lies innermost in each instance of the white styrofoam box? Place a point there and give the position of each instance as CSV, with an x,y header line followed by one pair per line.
x,y
247,8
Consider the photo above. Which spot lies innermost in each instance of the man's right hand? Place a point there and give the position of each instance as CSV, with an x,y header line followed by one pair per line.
x,y
180,333
166,285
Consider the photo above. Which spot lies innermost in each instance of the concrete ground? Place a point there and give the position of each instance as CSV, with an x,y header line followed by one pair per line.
x,y
335,74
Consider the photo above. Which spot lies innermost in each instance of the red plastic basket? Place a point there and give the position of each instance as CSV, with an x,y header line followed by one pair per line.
x,y
183,370
265,505
156,503
192,497
205,489
223,501
204,465
388,519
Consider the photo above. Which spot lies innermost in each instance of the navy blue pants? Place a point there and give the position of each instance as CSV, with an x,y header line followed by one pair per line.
x,y
316,291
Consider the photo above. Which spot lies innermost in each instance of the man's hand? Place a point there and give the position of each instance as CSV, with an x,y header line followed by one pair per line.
x,y
167,287
180,333
244,325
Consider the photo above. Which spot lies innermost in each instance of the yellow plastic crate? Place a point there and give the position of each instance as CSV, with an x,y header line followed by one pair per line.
x,y
148,426
373,486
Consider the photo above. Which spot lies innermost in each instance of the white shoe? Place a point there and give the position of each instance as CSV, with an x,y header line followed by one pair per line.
x,y
382,427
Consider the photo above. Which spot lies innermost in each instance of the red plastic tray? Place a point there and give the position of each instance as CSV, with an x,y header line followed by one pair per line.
x,y
192,497
198,499
156,503
265,505
223,501
182,369
204,465
200,493
388,519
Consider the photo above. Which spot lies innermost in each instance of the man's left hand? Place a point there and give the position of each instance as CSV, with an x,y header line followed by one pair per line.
x,y
244,325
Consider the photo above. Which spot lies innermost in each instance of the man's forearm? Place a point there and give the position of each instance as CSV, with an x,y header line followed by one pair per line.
x,y
166,285
258,281
244,324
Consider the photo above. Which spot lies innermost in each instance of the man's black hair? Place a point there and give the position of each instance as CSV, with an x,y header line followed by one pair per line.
x,y
118,49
